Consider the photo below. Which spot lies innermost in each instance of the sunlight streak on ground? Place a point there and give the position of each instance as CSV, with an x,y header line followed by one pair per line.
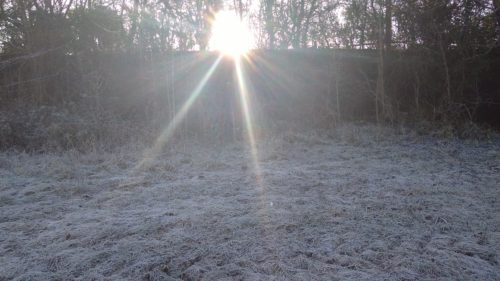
x,y
243,91
174,123
265,205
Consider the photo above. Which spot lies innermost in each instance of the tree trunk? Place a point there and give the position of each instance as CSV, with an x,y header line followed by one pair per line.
x,y
133,27
388,24
446,72
496,5
270,22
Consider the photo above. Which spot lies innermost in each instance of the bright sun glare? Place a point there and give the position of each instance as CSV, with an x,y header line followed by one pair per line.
x,y
230,35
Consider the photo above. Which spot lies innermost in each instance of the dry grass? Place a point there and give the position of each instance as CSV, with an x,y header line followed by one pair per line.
x,y
354,204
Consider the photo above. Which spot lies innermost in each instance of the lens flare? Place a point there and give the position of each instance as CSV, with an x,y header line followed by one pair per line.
x,y
243,91
167,133
264,203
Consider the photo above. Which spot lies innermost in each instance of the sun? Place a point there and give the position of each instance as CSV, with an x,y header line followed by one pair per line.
x,y
230,35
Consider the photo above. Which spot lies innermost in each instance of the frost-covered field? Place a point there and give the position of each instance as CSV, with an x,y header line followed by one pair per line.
x,y
345,207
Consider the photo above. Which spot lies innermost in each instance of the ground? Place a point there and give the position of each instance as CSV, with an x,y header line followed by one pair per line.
x,y
330,206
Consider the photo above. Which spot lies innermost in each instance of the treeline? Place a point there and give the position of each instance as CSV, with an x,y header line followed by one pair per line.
x,y
113,98
322,62
73,26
